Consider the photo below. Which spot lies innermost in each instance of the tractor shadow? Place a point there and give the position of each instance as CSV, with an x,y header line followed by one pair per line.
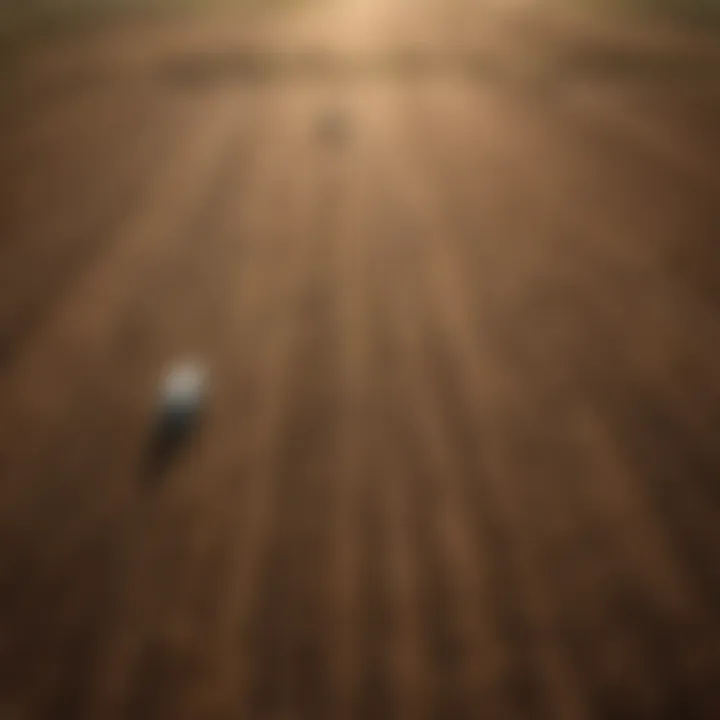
x,y
169,441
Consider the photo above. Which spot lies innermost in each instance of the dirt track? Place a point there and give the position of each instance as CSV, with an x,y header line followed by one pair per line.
x,y
455,271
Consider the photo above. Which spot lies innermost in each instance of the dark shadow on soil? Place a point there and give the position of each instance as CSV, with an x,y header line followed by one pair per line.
x,y
168,442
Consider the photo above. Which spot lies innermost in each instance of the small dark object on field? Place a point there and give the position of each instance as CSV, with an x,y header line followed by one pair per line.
x,y
181,399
